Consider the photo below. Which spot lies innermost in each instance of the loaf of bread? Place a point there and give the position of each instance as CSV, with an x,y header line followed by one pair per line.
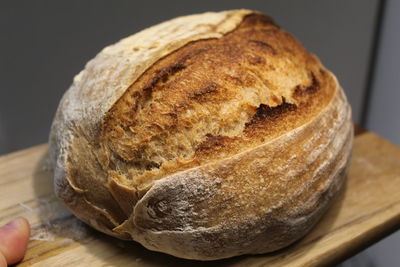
x,y
204,137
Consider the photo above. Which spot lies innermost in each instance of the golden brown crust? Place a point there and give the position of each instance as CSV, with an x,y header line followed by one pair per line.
x,y
255,202
175,114
219,136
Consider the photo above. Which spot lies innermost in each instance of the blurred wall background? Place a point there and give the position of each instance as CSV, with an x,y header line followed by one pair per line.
x,y
383,113
43,44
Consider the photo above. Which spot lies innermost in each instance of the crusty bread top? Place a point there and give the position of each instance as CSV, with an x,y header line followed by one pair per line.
x,y
107,76
214,98
181,94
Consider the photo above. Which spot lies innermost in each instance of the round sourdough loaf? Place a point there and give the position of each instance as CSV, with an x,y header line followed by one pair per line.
x,y
205,137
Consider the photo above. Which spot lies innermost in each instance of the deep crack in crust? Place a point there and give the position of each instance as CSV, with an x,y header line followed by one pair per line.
x,y
214,98
232,143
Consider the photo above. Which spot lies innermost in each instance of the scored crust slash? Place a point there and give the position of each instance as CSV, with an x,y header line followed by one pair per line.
x,y
205,137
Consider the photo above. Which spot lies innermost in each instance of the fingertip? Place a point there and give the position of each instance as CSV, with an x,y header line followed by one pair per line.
x,y
14,238
24,227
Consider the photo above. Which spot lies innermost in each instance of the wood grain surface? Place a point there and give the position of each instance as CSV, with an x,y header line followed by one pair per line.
x,y
367,210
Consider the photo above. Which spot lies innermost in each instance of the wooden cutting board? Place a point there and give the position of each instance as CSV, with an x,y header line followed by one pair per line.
x,y
367,210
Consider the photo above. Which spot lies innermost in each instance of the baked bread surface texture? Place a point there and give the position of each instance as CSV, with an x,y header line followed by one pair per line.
x,y
204,137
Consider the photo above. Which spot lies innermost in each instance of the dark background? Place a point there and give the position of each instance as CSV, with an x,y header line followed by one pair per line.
x,y
43,44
